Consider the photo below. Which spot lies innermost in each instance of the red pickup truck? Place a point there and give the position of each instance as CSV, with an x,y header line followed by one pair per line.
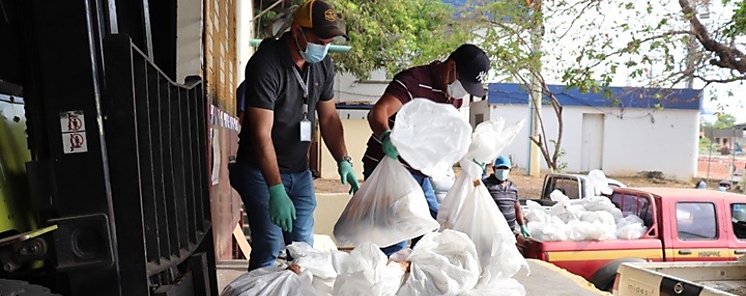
x,y
683,225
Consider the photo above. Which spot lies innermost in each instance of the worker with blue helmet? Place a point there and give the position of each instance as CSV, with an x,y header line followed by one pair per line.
x,y
505,194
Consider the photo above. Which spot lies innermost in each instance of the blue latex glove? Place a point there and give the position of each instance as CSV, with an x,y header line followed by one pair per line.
x,y
281,208
347,174
524,231
388,147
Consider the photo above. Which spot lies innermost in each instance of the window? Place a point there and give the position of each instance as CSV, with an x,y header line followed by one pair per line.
x,y
634,205
478,118
738,219
568,186
696,221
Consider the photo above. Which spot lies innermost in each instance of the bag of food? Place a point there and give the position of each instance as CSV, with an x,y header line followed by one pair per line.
x,y
390,207
367,271
275,280
443,263
469,207
430,136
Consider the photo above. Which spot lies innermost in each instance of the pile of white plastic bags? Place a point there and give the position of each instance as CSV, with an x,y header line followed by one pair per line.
x,y
468,250
593,218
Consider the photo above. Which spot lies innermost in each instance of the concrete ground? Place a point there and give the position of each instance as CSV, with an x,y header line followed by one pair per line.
x,y
547,279
230,270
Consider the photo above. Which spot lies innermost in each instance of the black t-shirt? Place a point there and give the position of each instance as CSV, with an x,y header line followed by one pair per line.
x,y
272,84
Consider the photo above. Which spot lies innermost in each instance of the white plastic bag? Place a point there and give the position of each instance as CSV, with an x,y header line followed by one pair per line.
x,y
442,184
631,227
469,207
318,263
481,219
367,271
534,212
430,136
275,280
558,196
567,211
489,139
389,208
443,263
598,183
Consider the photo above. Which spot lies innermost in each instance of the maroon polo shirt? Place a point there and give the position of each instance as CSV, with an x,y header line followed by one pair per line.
x,y
417,82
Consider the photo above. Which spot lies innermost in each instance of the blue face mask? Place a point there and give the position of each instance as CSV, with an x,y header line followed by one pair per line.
x,y
314,53
502,174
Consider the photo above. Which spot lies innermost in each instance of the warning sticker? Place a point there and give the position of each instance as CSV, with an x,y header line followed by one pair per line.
x,y
72,124
74,143
72,121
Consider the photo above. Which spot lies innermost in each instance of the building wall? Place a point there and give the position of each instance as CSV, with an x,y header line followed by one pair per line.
x,y
479,112
633,140
221,53
218,32
357,133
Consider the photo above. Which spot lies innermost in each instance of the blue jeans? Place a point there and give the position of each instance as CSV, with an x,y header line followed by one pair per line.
x,y
268,239
432,204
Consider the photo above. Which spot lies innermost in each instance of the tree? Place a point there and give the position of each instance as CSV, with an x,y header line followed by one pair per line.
x,y
392,34
724,121
511,32
678,44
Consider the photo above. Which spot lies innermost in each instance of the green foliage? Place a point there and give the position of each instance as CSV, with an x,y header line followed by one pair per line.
x,y
724,120
396,34
738,26
390,34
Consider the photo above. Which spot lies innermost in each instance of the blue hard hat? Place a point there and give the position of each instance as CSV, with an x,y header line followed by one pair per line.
x,y
502,161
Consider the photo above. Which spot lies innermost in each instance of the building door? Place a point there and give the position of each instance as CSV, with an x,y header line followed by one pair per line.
x,y
592,142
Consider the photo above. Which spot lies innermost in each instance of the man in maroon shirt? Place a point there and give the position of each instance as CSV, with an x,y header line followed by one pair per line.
x,y
447,82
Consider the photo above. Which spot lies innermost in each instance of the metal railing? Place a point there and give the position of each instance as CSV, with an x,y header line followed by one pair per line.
x,y
157,151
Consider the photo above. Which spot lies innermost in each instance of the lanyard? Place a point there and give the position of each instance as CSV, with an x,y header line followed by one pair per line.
x,y
303,83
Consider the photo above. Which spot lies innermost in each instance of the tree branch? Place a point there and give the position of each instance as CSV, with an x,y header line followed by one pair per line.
x,y
728,57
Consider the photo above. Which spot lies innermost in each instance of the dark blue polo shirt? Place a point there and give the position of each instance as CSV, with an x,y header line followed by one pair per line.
x,y
271,84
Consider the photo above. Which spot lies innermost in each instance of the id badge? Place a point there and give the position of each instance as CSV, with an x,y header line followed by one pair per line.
x,y
305,130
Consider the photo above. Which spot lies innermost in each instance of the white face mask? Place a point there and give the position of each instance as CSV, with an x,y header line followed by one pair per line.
x,y
456,90
502,174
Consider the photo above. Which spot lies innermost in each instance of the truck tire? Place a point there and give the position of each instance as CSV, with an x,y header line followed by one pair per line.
x,y
21,288
604,277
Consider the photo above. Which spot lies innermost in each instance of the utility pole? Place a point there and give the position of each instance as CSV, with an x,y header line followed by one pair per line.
x,y
535,88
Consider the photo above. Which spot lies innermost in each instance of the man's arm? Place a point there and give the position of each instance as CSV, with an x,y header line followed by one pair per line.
x,y
331,129
260,122
378,118
519,213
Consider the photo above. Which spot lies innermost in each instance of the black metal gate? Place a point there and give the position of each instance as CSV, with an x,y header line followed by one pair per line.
x,y
156,137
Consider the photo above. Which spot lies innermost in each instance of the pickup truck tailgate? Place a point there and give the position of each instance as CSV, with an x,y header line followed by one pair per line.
x,y
681,278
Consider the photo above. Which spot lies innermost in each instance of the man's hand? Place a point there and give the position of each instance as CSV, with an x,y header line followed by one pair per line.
x,y
347,174
281,208
524,231
388,148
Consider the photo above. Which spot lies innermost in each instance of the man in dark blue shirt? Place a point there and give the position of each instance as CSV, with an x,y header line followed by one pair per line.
x,y
288,83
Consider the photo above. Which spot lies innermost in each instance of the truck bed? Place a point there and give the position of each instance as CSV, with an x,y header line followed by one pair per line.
x,y
709,278
584,258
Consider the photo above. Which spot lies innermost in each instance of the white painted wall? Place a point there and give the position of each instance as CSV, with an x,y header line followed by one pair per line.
x,y
634,140
478,108
188,39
